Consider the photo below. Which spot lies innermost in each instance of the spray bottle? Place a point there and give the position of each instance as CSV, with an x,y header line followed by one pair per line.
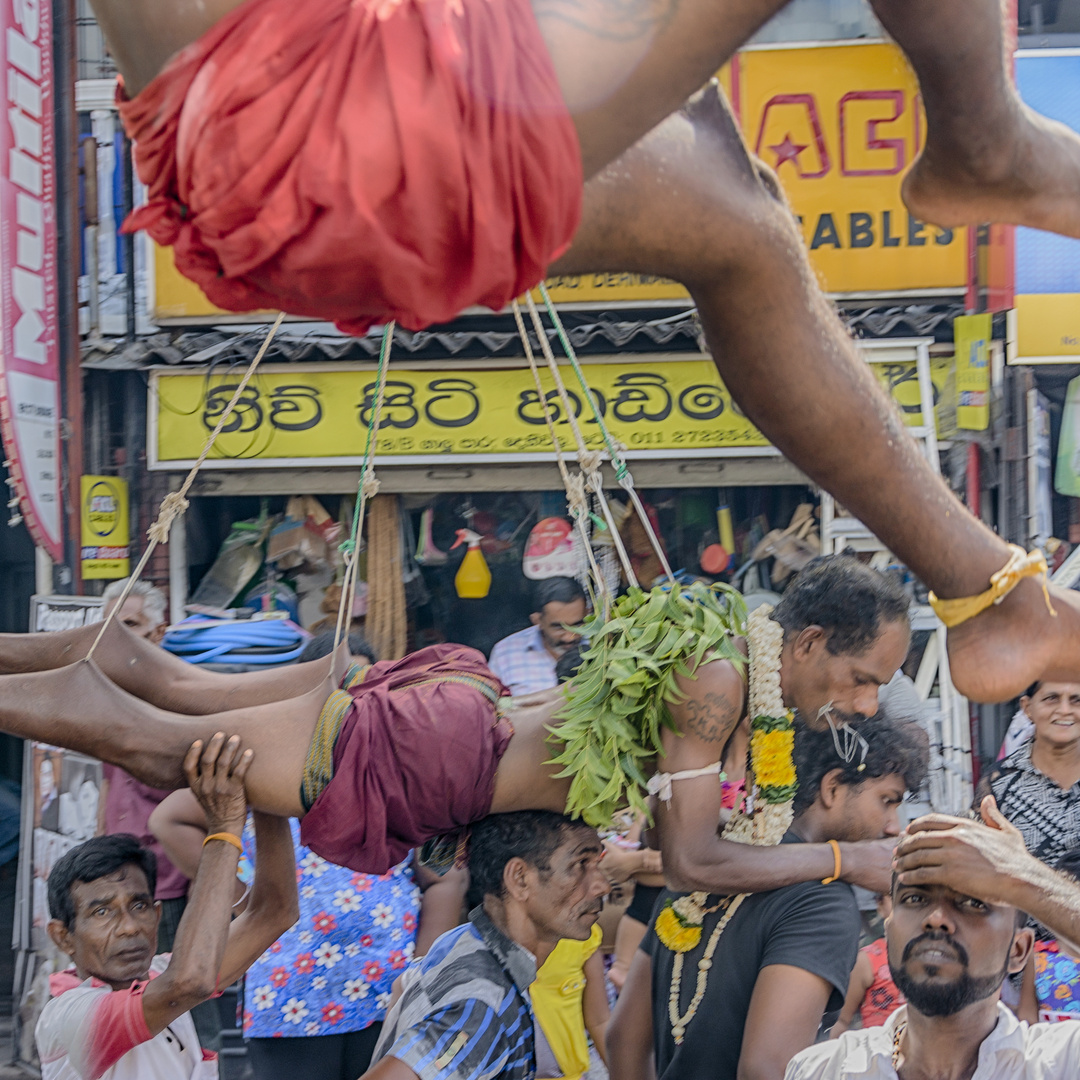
x,y
473,579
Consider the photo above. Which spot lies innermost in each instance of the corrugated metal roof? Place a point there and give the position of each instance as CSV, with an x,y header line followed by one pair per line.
x,y
478,336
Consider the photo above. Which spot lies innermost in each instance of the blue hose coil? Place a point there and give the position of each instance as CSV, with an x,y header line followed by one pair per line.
x,y
199,640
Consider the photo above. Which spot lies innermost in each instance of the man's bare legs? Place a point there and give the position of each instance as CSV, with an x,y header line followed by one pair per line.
x,y
79,708
156,676
687,202
988,157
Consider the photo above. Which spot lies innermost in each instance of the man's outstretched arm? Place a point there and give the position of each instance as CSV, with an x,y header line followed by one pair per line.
x,y
695,857
988,861
272,906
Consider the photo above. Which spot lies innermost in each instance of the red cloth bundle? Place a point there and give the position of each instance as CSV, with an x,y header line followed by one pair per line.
x,y
360,160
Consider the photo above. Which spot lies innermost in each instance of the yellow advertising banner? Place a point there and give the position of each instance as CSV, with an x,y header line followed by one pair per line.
x,y
320,414
106,533
972,335
840,124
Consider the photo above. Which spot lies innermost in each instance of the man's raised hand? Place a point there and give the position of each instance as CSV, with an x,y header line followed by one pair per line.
x,y
215,773
984,859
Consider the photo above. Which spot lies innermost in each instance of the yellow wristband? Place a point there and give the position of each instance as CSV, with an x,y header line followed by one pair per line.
x,y
836,863
236,842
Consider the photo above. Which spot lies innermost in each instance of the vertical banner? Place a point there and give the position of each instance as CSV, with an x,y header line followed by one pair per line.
x,y
29,344
106,535
1067,474
972,334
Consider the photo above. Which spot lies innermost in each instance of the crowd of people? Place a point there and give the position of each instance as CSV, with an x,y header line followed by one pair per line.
x,y
518,960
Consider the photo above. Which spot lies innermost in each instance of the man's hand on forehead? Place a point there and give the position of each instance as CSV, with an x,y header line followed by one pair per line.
x,y
984,859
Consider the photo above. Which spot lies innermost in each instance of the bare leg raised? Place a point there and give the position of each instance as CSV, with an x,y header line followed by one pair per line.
x,y
988,157
158,677
687,202
79,708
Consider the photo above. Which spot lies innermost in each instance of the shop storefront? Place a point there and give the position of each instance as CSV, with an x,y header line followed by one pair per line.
x,y
467,447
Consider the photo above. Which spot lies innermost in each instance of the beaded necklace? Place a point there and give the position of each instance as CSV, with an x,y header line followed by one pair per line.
x,y
678,1023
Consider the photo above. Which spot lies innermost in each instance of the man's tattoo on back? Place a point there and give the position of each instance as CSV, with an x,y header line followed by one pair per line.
x,y
611,20
712,719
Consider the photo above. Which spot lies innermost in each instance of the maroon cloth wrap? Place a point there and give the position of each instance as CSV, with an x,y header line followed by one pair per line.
x,y
410,762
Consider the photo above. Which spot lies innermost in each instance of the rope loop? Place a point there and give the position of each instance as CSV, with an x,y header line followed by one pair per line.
x,y
366,489
172,506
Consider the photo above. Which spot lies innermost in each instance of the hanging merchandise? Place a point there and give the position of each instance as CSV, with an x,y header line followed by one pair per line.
x,y
549,551
303,539
238,561
791,548
473,579
724,529
416,593
386,625
271,595
645,555
715,559
427,554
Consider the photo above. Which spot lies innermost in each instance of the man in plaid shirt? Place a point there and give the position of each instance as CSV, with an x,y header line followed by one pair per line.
x,y
525,661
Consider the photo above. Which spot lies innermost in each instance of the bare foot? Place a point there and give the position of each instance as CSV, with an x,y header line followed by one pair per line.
x,y
1031,179
998,654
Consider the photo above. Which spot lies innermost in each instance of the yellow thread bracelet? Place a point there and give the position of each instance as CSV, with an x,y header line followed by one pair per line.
x,y
1021,565
229,838
836,863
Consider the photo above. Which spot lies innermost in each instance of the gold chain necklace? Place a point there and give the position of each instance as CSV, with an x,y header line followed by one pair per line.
x,y
897,1036
679,1023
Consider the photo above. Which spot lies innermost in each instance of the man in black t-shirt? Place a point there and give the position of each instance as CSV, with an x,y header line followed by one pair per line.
x,y
745,1002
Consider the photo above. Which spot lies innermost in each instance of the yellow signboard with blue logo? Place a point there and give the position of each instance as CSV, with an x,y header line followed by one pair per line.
x,y
106,532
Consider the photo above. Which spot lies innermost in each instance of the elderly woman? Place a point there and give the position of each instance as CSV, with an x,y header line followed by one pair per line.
x,y
1037,786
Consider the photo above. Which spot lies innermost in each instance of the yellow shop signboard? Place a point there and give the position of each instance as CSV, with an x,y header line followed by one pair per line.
x,y
840,124
319,413
106,532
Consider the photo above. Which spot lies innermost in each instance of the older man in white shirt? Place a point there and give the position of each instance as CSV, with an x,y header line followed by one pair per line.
x,y
957,929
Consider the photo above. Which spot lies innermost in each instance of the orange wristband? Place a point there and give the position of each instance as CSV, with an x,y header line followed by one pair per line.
x,y
836,863
237,843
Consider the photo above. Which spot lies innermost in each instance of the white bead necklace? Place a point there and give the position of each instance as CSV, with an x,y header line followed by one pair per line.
x,y
679,1023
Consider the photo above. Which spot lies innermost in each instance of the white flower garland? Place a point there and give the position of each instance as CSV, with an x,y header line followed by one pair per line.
x,y
761,823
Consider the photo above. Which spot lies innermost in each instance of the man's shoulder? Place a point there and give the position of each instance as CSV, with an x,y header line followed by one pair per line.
x,y
846,1058
812,897
460,966
1053,1046
519,640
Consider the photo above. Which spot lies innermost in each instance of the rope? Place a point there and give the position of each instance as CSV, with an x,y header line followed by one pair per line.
x,y
175,503
367,489
574,485
589,460
622,470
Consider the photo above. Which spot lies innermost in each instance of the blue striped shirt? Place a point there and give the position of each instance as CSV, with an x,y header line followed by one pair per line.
x,y
465,1013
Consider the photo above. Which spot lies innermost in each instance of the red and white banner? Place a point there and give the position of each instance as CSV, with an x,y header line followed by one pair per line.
x,y
29,336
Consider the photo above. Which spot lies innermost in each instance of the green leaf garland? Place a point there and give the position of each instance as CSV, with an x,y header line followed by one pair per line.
x,y
617,704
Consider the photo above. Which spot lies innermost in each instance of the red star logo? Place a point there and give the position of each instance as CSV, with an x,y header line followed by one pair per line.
x,y
787,151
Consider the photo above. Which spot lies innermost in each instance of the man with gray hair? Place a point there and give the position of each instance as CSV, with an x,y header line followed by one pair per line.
x,y
143,610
